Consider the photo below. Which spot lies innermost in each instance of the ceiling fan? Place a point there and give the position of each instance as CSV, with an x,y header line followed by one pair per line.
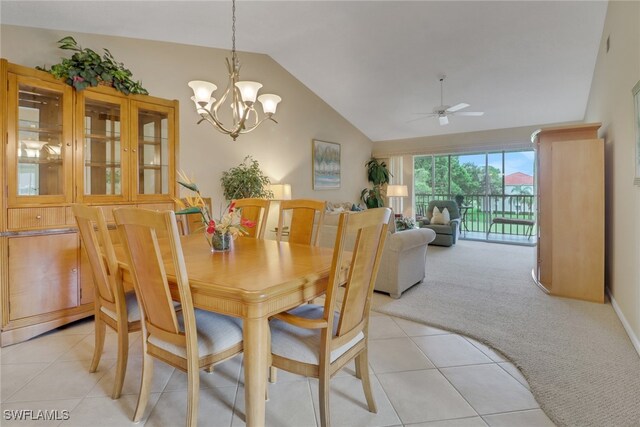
x,y
442,112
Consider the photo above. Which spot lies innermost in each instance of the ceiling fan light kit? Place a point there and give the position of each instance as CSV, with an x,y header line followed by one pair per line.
x,y
240,95
442,112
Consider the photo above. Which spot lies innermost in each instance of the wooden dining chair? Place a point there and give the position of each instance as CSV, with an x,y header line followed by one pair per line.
x,y
317,341
192,223
256,210
189,339
113,306
303,216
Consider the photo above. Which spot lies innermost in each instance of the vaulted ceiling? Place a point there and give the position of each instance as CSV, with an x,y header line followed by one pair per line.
x,y
377,62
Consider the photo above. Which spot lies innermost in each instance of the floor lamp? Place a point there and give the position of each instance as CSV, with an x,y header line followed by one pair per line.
x,y
398,192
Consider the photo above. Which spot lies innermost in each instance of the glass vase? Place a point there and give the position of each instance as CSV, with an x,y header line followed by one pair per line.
x,y
220,242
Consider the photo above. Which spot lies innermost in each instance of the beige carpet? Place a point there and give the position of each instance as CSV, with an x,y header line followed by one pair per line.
x,y
580,363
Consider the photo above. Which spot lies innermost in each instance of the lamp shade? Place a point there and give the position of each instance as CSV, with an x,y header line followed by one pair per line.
x,y
397,191
281,191
202,91
249,90
205,107
269,102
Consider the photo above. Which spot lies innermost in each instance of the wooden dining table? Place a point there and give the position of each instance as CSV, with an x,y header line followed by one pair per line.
x,y
253,281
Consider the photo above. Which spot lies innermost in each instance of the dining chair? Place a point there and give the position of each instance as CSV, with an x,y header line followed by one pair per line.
x,y
319,340
189,339
113,306
256,210
303,216
192,223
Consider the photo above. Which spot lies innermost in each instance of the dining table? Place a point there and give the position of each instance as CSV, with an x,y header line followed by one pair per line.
x,y
254,280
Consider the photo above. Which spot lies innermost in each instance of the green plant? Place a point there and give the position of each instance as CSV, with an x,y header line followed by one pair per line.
x,y
405,223
245,180
378,175
86,68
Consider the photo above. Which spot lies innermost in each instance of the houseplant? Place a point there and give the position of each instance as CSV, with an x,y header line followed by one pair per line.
x,y
245,180
218,233
87,68
378,175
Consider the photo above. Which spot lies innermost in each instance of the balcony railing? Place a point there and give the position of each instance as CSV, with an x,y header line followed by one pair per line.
x,y
483,208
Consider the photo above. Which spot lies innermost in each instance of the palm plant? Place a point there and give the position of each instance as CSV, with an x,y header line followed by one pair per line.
x,y
378,175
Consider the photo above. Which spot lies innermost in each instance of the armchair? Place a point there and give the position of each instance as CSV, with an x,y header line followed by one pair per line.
x,y
403,262
447,234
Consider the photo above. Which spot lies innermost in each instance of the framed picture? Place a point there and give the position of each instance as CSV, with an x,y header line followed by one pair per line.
x,y
326,165
636,119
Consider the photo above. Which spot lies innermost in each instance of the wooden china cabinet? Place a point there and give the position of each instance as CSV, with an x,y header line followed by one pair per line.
x,y
98,147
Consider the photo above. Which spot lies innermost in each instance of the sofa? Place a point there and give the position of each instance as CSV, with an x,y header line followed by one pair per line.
x,y
404,257
446,234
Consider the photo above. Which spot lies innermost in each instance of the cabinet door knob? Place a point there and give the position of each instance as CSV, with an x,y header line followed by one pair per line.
x,y
68,144
134,150
38,216
74,270
125,150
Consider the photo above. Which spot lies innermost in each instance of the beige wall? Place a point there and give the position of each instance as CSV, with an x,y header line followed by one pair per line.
x,y
489,140
283,150
611,103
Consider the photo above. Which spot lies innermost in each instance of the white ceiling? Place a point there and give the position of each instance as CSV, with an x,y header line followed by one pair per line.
x,y
377,62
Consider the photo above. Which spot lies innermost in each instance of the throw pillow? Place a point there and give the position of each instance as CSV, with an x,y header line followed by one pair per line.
x,y
443,218
446,216
436,216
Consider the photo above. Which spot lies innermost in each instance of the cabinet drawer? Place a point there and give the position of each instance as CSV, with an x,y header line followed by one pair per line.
x,y
36,217
158,206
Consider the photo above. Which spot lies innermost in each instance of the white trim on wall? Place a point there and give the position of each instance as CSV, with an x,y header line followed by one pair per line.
x,y
627,327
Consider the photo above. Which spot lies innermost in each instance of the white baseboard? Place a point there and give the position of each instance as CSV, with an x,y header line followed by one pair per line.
x,y
634,339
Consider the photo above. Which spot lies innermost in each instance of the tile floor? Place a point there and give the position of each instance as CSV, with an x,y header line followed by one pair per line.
x,y
422,377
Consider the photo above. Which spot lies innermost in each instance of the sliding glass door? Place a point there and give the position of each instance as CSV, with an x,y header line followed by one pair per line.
x,y
487,186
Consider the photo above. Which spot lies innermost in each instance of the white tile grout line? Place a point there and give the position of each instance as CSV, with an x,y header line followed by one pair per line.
x,y
314,403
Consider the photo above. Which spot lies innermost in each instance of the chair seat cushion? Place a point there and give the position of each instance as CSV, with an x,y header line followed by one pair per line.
x,y
133,311
216,333
302,344
440,229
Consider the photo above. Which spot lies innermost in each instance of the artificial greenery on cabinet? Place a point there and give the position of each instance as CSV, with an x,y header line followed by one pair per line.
x,y
87,68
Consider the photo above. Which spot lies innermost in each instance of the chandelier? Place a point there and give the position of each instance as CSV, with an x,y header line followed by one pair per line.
x,y
239,95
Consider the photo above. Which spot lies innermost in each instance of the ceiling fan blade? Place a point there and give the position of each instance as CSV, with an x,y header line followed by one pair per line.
x,y
457,107
443,120
470,113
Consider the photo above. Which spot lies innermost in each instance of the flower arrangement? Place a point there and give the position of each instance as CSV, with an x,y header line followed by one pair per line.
x,y
230,224
405,223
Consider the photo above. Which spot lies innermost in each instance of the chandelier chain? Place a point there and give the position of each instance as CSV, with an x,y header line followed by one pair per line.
x,y
233,27
242,96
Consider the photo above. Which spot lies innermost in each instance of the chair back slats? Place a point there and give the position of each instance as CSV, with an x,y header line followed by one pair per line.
x,y
104,266
370,228
256,210
193,221
303,218
139,230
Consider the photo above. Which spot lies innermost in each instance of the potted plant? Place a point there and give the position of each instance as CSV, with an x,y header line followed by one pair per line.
x,y
378,175
245,180
87,68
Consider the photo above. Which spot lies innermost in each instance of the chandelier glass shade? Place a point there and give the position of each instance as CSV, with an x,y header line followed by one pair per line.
x,y
241,97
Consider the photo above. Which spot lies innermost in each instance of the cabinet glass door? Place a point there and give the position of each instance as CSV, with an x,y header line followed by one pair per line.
x,y
39,141
104,148
154,134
